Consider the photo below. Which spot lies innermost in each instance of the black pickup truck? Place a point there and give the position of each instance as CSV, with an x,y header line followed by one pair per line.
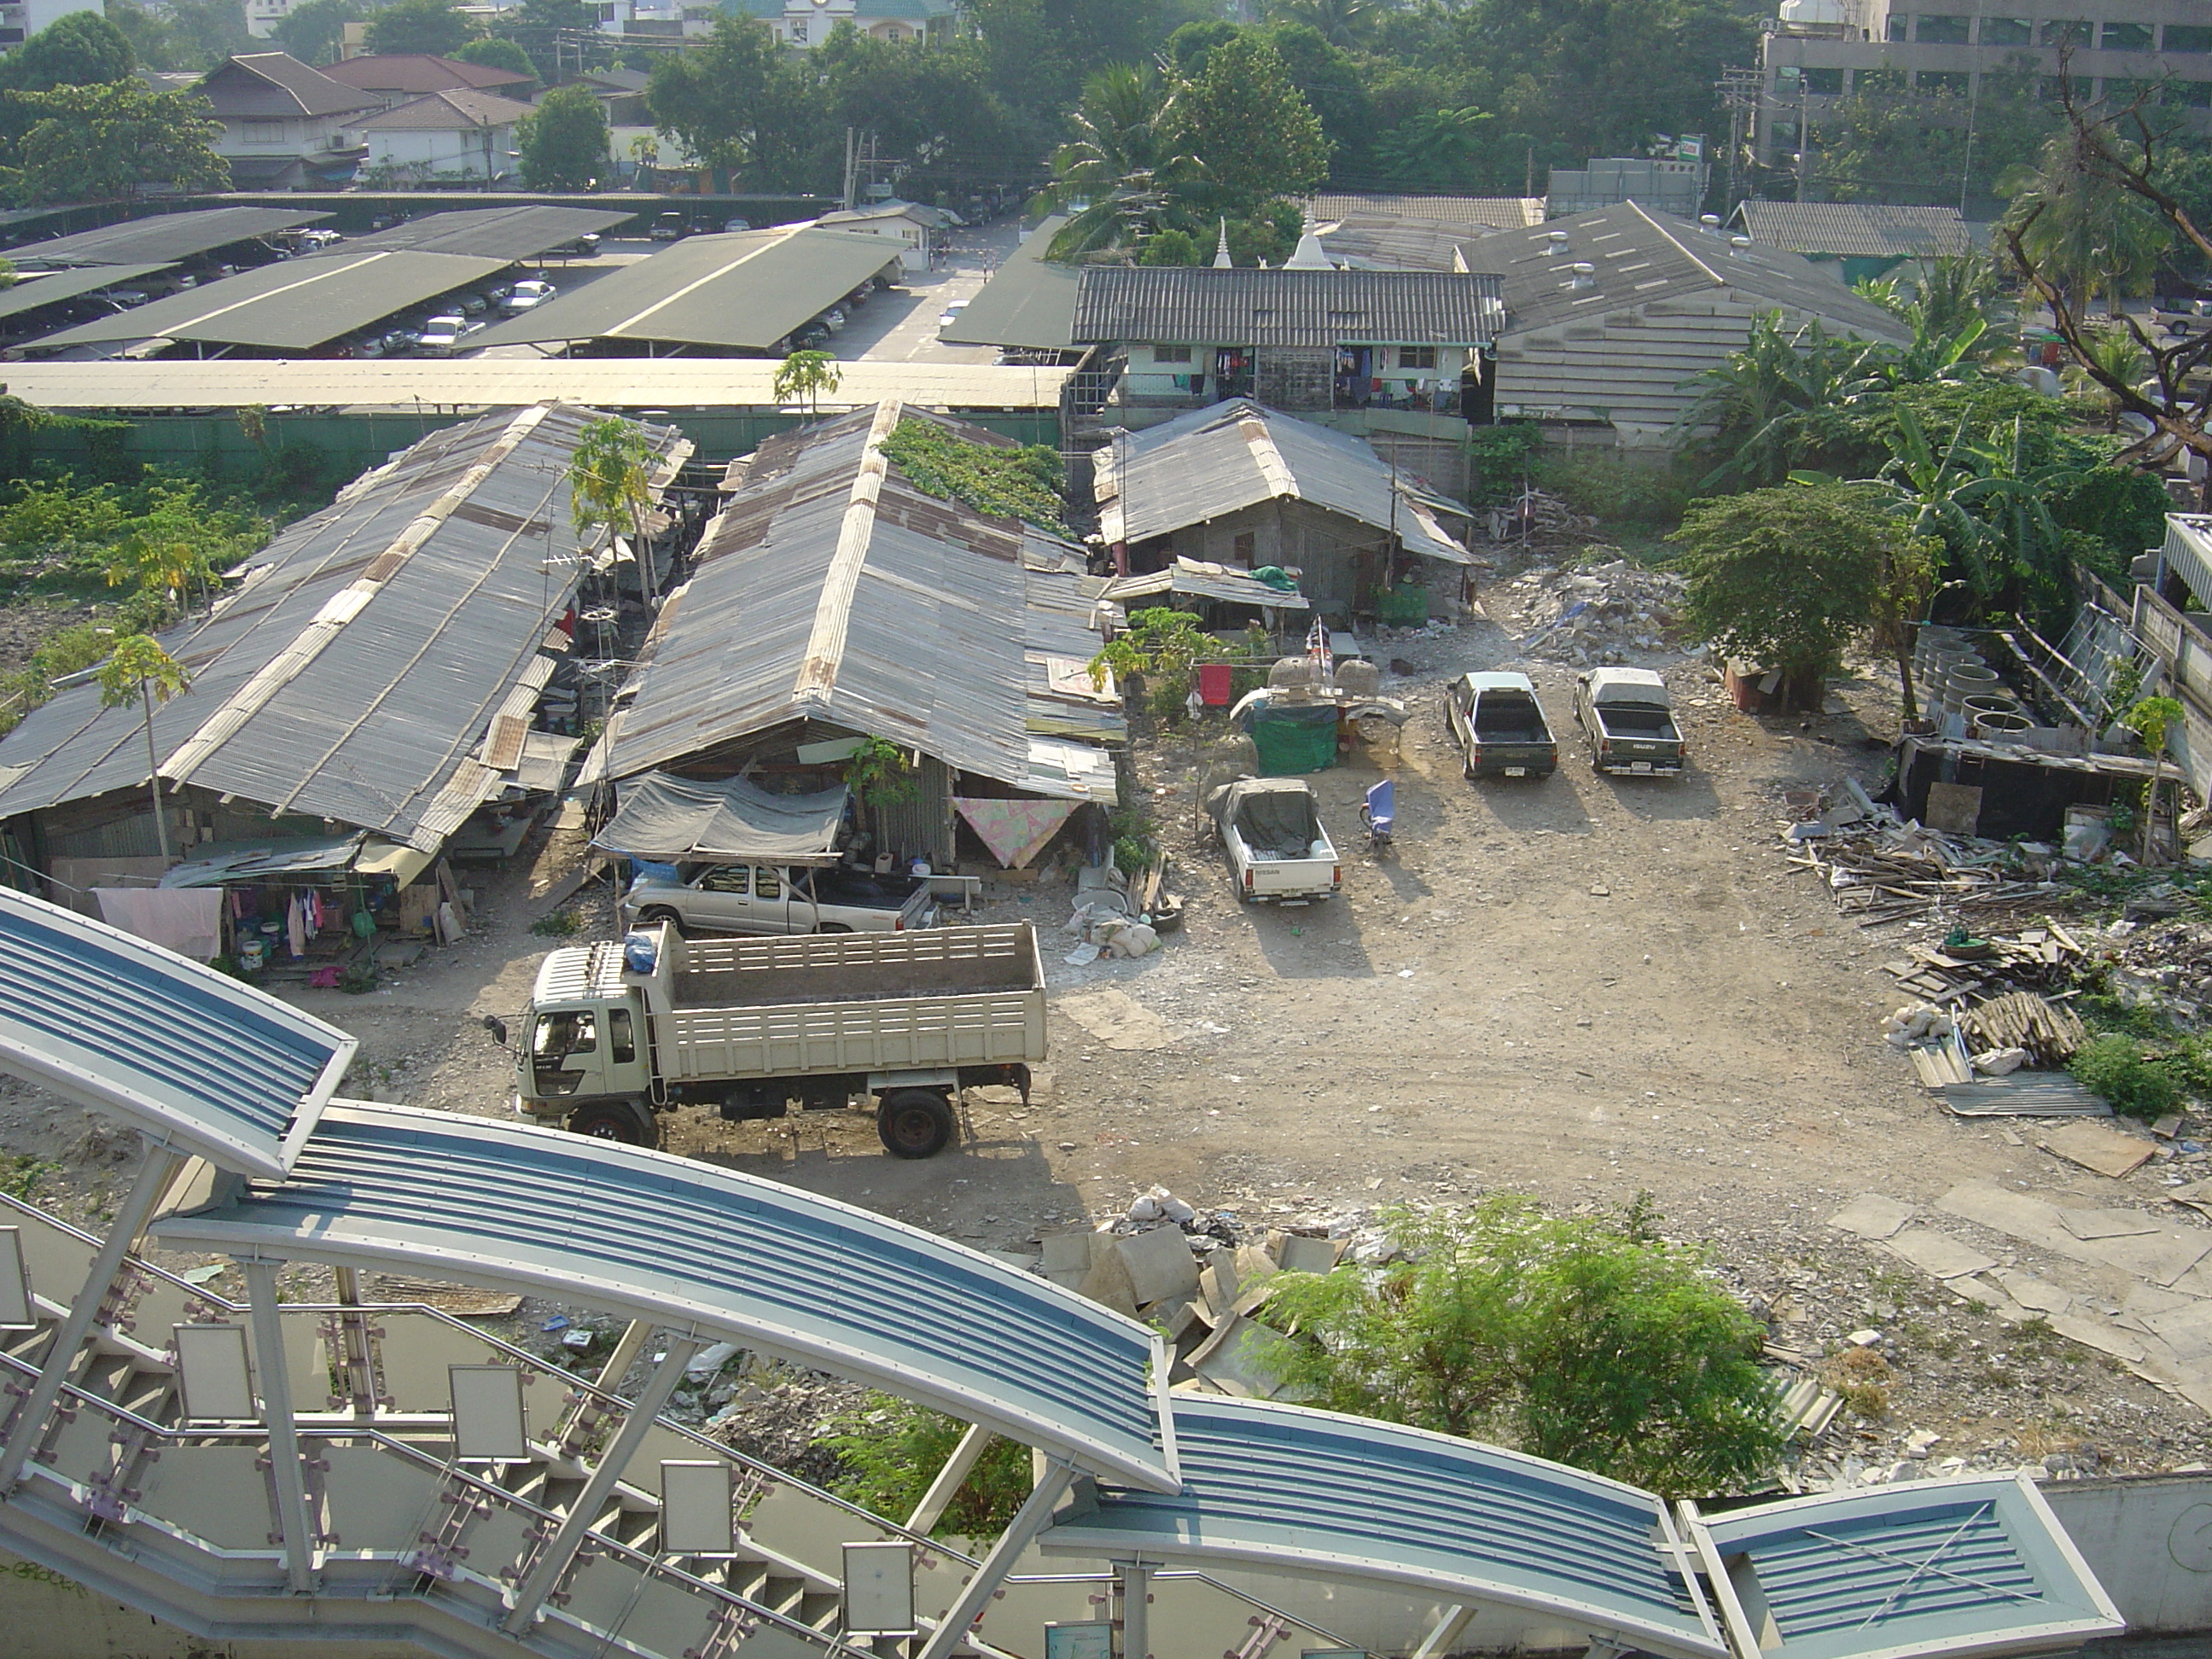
x,y
1499,728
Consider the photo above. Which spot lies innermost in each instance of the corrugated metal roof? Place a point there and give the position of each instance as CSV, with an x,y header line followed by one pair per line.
x,y
1211,462
1028,303
189,1055
829,588
1205,581
742,292
31,291
165,237
1200,306
275,83
1374,242
1642,257
355,671
603,382
502,233
1941,1568
785,1273
1857,230
294,304
1491,212
1343,1497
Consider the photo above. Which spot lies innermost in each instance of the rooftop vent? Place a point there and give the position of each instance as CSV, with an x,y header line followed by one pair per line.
x,y
1711,222
1738,246
1585,274
1555,242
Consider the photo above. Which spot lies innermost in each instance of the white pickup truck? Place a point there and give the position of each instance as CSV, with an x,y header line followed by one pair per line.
x,y
776,898
1272,831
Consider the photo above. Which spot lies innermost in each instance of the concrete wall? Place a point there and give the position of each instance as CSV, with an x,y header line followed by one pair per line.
x,y
2148,1539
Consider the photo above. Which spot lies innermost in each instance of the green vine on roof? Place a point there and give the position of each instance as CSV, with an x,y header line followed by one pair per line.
x,y
1021,483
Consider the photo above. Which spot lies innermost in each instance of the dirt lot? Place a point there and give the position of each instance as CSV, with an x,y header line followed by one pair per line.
x,y
1582,988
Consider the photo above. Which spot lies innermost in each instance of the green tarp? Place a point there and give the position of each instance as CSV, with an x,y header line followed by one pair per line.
x,y
1291,740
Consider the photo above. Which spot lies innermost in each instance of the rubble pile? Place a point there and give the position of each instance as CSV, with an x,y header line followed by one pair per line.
x,y
1596,614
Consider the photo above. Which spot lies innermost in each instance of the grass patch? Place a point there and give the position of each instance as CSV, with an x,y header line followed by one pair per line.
x,y
2116,1067
559,924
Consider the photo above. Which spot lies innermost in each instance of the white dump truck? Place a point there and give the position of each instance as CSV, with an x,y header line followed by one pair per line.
x,y
616,1033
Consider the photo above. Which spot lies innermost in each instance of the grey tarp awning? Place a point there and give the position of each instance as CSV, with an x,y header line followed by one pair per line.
x,y
668,819
292,856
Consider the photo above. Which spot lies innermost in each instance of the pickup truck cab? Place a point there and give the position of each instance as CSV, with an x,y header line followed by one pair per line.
x,y
1270,829
774,898
1629,719
1500,727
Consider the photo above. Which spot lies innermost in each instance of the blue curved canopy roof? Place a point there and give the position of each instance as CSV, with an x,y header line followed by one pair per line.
x,y
1955,1568
783,1272
1274,1485
189,1055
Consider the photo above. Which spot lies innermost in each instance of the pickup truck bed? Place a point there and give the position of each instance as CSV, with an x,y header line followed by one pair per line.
x,y
1630,721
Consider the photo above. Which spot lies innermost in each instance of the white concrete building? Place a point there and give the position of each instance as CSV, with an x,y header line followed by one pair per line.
x,y
445,135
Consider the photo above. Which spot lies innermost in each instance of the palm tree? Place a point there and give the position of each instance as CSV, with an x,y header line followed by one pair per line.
x,y
611,487
2122,356
2091,236
1121,166
804,376
1769,407
139,668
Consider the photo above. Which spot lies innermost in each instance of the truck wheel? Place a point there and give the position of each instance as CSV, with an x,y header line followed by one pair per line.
x,y
833,927
659,914
914,1122
616,1119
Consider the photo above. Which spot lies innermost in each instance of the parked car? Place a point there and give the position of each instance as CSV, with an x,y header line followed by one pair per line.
x,y
1499,727
772,898
950,315
729,225
401,340
470,305
812,337
669,227
441,337
1270,829
526,296
583,247
1629,719
833,319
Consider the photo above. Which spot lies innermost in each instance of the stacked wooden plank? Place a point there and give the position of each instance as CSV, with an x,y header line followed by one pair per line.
x,y
1890,873
2051,1032
2037,955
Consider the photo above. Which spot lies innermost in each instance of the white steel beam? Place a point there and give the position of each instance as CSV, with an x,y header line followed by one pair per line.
x,y
292,1523
1029,1521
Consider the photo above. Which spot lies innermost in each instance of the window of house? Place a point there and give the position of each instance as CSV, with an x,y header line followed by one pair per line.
x,y
2008,31
1417,357
799,28
1824,82
1898,23
1246,544
2119,92
2125,37
1941,81
1945,29
2058,32
2188,37
2190,94
1170,354
265,133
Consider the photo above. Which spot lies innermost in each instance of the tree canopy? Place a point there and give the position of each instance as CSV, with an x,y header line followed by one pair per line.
x,y
419,25
493,53
564,143
109,141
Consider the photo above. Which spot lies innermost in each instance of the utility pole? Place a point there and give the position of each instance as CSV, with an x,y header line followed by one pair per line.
x,y
1804,133
849,184
1740,90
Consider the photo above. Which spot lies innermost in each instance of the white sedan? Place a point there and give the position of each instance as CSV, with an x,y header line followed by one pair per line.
x,y
526,295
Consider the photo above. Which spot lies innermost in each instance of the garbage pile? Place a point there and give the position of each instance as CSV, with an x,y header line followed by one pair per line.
x,y
1202,1278
1120,915
1595,615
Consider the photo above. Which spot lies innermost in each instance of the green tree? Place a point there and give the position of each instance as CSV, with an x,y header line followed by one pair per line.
x,y
564,143
2154,719
1344,24
739,103
1889,141
1577,1339
78,49
1251,129
1160,650
418,26
1787,577
154,42
891,1449
494,51
2088,235
1124,160
610,488
1780,403
313,31
139,670
804,376
108,142
207,31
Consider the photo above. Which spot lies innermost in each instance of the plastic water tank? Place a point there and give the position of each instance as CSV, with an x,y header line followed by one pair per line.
x,y
1813,12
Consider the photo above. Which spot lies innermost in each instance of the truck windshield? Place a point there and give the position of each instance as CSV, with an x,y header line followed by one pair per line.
x,y
558,1036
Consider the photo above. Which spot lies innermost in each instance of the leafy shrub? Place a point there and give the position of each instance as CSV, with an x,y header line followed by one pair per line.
x,y
558,924
1862,1377
1615,489
1500,455
2116,1067
892,1448
1022,482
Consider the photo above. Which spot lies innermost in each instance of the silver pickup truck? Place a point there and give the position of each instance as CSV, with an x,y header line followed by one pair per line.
x,y
776,898
1629,719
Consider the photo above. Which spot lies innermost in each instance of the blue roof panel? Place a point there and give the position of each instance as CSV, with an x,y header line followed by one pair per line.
x,y
781,1271
1271,1484
1951,1568
189,1055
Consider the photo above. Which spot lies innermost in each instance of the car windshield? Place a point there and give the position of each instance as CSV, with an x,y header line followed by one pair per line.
x,y
560,1035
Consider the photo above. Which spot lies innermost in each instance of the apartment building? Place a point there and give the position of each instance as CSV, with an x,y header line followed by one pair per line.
x,y
1811,55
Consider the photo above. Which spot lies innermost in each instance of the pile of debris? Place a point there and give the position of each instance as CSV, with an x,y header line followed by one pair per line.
x,y
1597,614
1882,869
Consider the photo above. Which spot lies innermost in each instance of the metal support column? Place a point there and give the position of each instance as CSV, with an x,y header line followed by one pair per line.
x,y
1029,1521
161,1165
1438,1641
292,1523
561,1549
1133,1587
589,1408
950,1478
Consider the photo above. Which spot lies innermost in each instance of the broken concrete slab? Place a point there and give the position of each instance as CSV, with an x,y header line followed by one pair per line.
x,y
1118,1019
1938,1252
2147,1302
2108,1223
2108,1151
1217,1286
2197,1282
2015,1214
2162,1257
2187,1330
1067,1252
2197,1195
1159,1264
2039,1295
1108,1283
1988,1296
1233,1359
1873,1215
1310,1255
2094,1331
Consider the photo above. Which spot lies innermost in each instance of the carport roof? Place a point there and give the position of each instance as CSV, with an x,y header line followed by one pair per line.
x,y
166,238
741,292
504,233
294,304
1028,304
34,290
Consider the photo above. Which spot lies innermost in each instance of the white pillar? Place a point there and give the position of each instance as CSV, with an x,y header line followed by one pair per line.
x,y
276,1379
950,1478
60,1353
1029,1521
1132,1584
